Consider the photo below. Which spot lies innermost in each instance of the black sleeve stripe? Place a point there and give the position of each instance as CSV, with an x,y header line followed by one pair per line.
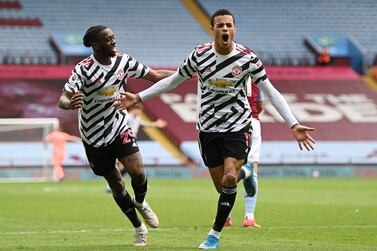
x,y
190,66
264,77
255,60
187,71
143,71
261,68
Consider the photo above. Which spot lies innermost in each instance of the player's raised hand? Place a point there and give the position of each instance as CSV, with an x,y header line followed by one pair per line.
x,y
302,136
126,100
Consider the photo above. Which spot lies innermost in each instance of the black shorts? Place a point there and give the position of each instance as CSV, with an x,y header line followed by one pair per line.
x,y
102,159
216,146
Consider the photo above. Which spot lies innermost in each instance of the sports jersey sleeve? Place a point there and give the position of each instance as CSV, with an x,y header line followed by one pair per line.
x,y
136,69
278,101
75,81
188,67
162,86
257,71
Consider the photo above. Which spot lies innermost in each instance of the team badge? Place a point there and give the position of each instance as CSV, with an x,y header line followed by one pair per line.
x,y
236,70
120,74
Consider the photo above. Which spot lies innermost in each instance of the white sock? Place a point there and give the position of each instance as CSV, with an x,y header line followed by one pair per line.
x,y
214,233
138,204
251,202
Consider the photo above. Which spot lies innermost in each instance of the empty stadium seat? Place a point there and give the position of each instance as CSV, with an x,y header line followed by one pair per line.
x,y
162,32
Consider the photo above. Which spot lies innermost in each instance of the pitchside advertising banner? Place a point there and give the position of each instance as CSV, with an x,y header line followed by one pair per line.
x,y
334,100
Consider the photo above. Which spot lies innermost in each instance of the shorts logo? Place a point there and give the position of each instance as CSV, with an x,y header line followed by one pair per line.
x,y
248,139
127,136
236,70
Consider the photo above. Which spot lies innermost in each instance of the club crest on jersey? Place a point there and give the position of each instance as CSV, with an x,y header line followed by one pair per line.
x,y
208,69
236,70
120,74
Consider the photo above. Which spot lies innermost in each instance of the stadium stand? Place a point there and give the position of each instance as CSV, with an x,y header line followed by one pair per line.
x,y
139,25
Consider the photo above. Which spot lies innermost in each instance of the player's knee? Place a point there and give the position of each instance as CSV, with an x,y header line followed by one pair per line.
x,y
230,180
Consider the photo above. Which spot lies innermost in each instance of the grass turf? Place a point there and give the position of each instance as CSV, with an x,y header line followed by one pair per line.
x,y
295,214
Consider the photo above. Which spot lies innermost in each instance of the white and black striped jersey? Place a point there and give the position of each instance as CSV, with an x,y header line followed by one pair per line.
x,y
222,100
99,122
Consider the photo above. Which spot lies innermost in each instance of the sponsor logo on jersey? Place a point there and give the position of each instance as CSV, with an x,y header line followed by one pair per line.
x,y
221,83
107,91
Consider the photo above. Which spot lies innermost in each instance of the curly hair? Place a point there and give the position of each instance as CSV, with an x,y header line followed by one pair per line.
x,y
91,34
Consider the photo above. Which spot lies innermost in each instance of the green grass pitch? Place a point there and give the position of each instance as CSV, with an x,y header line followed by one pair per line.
x,y
295,214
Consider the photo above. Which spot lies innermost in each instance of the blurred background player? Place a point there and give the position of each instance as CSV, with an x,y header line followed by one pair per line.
x,y
256,101
59,140
134,121
324,57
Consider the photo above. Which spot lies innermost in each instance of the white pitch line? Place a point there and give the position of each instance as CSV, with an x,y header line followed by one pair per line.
x,y
171,229
323,227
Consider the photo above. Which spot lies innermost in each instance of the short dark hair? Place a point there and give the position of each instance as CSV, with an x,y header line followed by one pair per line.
x,y
222,12
91,34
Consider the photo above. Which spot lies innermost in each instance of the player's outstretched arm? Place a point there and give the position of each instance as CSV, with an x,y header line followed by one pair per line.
x,y
300,132
157,75
128,99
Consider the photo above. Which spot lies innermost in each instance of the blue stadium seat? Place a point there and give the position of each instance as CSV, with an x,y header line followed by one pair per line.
x,y
162,32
